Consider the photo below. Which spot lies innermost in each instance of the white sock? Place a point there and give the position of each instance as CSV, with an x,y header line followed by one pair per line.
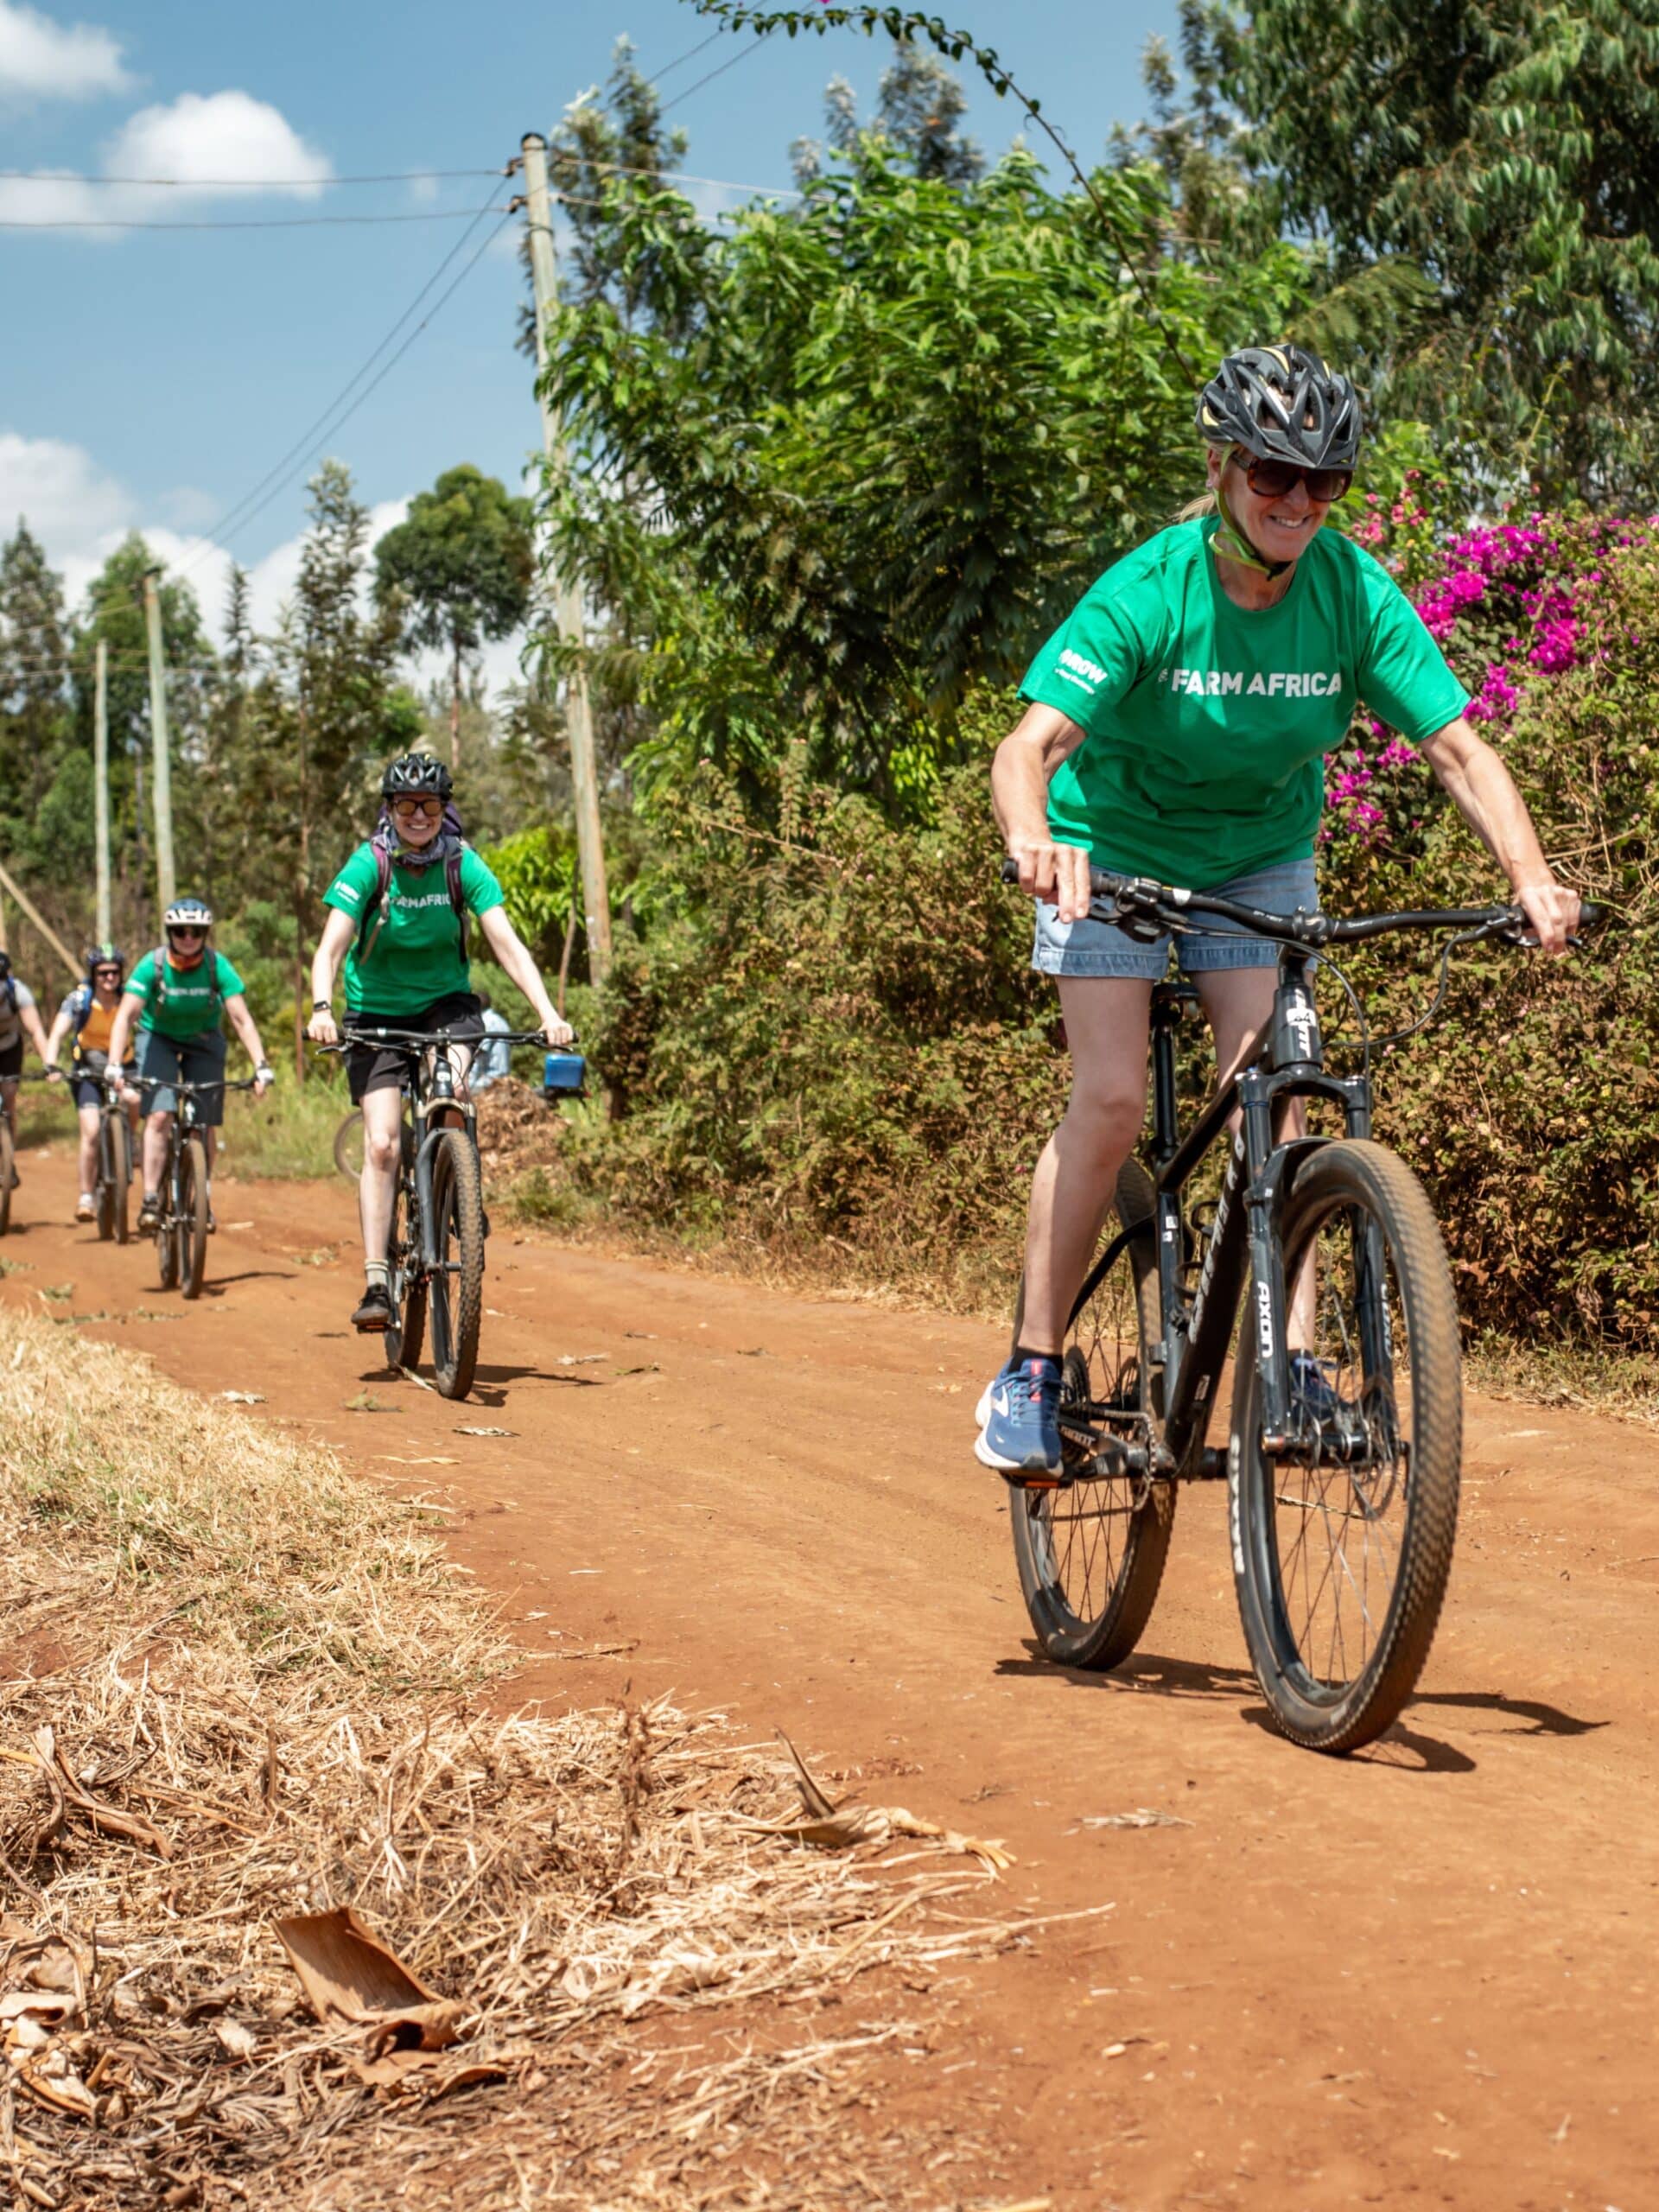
x,y
377,1271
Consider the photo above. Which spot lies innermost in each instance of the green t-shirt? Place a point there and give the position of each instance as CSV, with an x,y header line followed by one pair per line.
x,y
1207,724
414,953
195,996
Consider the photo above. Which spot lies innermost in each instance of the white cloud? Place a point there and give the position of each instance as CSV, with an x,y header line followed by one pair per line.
x,y
59,488
213,146
40,60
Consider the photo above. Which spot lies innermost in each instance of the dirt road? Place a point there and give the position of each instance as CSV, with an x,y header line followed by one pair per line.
x,y
1426,1974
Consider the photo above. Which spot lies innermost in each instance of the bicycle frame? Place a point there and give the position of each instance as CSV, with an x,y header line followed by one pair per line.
x,y
1286,1060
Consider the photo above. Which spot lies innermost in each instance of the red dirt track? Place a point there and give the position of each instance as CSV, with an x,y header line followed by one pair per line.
x,y
1425,1975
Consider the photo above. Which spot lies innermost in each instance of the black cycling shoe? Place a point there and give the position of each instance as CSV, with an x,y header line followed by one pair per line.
x,y
149,1213
373,1314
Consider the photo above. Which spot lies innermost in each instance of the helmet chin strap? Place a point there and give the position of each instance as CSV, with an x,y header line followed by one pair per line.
x,y
1230,543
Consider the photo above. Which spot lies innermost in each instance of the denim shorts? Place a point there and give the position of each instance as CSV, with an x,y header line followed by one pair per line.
x,y
1092,948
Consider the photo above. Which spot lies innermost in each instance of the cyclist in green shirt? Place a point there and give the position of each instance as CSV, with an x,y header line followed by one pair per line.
x,y
399,919
1176,728
175,997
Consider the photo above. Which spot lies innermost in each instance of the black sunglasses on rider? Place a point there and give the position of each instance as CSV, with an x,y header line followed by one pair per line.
x,y
1271,480
184,929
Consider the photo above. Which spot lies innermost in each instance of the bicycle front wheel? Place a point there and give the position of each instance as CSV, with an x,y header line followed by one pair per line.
x,y
192,1217
1090,1553
405,1284
7,1160
348,1146
1342,1545
457,1289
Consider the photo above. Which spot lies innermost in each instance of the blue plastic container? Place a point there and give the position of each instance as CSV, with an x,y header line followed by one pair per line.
x,y
562,1075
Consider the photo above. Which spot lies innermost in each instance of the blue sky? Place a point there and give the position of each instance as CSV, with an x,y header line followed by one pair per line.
x,y
153,379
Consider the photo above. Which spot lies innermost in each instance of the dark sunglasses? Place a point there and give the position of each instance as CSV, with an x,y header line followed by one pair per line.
x,y
100,973
1271,480
176,934
432,808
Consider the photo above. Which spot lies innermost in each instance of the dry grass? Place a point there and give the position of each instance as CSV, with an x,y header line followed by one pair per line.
x,y
240,1686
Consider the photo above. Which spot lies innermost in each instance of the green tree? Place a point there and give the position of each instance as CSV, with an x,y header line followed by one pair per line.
x,y
34,669
1510,147
919,107
457,570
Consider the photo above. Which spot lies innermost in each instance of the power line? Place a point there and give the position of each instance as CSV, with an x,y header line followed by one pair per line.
x,y
237,517
691,53
742,55
673,176
232,223
242,183
341,419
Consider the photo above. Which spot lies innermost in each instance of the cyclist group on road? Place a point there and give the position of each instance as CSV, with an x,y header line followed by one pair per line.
x,y
1175,730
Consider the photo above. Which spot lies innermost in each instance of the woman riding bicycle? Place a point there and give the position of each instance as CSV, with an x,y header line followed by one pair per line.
x,y
86,1018
176,996
399,919
1176,728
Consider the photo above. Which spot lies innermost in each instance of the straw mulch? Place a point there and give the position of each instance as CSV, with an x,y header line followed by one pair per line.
x,y
239,1686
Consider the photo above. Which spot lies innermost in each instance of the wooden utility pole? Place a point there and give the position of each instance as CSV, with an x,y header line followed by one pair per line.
x,y
10,884
101,785
578,717
162,767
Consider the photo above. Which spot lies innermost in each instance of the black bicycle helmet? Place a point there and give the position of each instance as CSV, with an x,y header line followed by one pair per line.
x,y
417,775
104,956
5,962
1281,403
188,914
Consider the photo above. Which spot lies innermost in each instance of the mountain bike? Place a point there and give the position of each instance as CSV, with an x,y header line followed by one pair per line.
x,y
182,1226
434,1247
1342,1474
114,1170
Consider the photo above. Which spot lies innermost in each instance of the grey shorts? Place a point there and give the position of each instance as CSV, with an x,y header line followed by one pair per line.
x,y
166,1060
1092,948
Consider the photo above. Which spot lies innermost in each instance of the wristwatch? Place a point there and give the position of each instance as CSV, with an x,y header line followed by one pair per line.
x,y
322,1006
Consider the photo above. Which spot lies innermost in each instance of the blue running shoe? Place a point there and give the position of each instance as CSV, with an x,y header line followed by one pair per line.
x,y
1311,1392
1018,1420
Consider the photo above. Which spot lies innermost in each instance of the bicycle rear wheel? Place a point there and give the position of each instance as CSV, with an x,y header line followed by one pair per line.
x,y
167,1229
1342,1546
457,1289
1090,1553
192,1217
6,1157
120,1171
405,1284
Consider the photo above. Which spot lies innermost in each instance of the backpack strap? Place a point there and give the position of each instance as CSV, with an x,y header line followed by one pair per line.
x,y
377,911
457,897
160,957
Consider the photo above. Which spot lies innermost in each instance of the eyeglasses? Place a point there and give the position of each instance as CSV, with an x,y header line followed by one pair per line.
x,y
1271,480
407,808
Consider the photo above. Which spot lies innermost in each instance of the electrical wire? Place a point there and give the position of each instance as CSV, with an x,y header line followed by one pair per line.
x,y
237,517
240,183
309,444
680,99
691,53
229,223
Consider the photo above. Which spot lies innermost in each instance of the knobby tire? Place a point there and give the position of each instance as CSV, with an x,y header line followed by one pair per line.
x,y
121,1173
8,1154
1090,1553
192,1217
457,1290
405,1282
1378,1207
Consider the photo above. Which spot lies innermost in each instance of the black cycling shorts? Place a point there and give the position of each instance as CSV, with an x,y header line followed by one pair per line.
x,y
11,1060
383,1067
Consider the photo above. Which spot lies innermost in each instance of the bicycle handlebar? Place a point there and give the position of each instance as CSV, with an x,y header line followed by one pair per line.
x,y
177,1083
1142,899
413,1041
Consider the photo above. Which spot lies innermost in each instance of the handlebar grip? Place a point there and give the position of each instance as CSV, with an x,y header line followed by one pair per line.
x,y
1591,913
1010,871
